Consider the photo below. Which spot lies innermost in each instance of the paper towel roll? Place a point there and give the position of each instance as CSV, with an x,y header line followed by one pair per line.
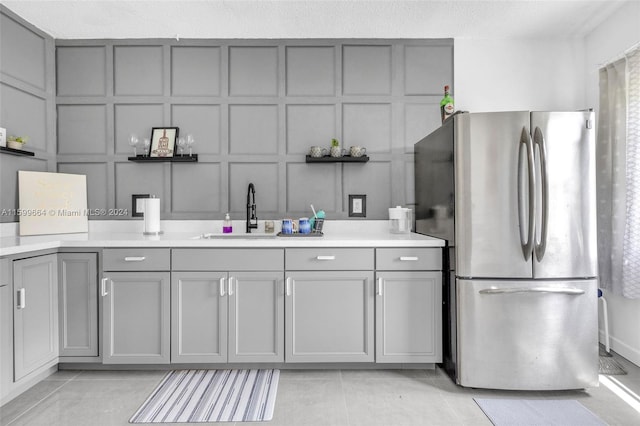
x,y
152,216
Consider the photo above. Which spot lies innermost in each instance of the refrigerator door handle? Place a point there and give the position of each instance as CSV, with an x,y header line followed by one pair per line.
x,y
541,246
527,246
567,290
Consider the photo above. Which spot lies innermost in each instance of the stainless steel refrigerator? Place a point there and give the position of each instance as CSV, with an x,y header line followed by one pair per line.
x,y
513,193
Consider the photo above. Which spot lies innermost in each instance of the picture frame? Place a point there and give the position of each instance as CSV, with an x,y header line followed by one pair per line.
x,y
357,206
163,141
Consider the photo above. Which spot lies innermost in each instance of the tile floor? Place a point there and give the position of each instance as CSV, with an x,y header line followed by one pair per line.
x,y
307,397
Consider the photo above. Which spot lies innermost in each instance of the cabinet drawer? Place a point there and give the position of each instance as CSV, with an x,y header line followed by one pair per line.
x,y
136,259
336,259
409,259
228,259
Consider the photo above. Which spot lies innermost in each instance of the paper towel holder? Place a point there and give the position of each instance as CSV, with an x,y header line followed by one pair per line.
x,y
151,228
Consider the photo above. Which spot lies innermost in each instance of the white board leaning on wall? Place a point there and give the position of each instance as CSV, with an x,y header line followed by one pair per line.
x,y
52,203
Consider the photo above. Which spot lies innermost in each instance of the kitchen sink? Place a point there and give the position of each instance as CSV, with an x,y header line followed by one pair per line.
x,y
215,236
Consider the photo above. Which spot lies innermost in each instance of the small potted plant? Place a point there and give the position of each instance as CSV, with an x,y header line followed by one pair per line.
x,y
16,142
335,148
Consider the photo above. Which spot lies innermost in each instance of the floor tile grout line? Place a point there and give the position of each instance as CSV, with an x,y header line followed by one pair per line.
x,y
64,383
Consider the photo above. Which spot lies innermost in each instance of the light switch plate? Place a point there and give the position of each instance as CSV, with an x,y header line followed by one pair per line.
x,y
357,205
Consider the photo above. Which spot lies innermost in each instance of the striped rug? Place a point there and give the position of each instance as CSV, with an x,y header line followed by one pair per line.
x,y
211,396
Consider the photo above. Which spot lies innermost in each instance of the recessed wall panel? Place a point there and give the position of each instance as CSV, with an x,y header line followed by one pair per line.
x,y
195,71
264,177
253,71
24,114
97,184
9,166
311,184
309,125
427,69
419,121
138,70
253,129
366,70
81,71
373,180
196,188
22,53
203,122
310,71
139,178
138,119
367,125
82,129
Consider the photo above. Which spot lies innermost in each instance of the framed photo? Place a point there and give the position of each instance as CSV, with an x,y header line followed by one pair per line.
x,y
357,206
163,141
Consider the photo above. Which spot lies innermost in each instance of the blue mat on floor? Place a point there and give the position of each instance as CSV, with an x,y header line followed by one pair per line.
x,y
529,412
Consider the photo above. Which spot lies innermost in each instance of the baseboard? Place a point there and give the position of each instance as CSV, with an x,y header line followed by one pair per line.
x,y
618,346
18,388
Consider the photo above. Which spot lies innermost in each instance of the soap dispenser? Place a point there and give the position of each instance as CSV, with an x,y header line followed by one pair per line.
x,y
227,227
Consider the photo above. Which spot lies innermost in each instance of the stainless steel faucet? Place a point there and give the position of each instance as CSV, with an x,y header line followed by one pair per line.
x,y
252,218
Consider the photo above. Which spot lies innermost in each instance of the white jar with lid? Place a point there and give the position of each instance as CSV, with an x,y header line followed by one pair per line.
x,y
400,220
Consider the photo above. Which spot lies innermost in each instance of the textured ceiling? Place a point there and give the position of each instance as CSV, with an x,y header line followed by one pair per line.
x,y
86,19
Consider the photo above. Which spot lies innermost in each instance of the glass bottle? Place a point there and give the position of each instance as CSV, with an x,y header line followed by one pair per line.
x,y
446,105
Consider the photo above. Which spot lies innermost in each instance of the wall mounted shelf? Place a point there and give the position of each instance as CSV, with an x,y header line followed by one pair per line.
x,y
12,151
344,159
178,159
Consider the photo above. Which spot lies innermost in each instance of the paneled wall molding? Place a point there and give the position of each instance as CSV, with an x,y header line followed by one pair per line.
x,y
27,108
254,107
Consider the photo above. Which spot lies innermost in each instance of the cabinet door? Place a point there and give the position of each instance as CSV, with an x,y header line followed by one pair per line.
x,y
6,331
35,316
78,293
256,317
199,312
409,317
329,316
136,320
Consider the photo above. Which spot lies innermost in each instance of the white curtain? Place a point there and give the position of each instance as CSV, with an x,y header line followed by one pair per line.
x,y
618,176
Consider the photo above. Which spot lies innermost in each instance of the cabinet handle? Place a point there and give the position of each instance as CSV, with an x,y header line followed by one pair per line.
x,y
22,298
134,258
231,286
408,258
222,287
326,257
379,286
287,290
103,286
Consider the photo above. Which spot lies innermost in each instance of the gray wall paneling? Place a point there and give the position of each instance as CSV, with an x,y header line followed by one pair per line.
x,y
255,107
27,102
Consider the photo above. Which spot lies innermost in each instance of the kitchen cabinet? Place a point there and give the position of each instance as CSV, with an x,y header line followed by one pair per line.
x,y
329,305
35,313
6,330
136,306
78,308
409,306
243,308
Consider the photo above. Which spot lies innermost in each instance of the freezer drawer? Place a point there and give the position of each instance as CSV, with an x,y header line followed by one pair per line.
x,y
527,335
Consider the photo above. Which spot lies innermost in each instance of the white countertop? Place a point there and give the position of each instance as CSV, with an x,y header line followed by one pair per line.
x,y
184,234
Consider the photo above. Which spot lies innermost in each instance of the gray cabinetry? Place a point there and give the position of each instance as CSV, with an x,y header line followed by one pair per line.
x,y
6,330
136,306
199,317
408,306
330,313
223,315
256,316
78,308
35,314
